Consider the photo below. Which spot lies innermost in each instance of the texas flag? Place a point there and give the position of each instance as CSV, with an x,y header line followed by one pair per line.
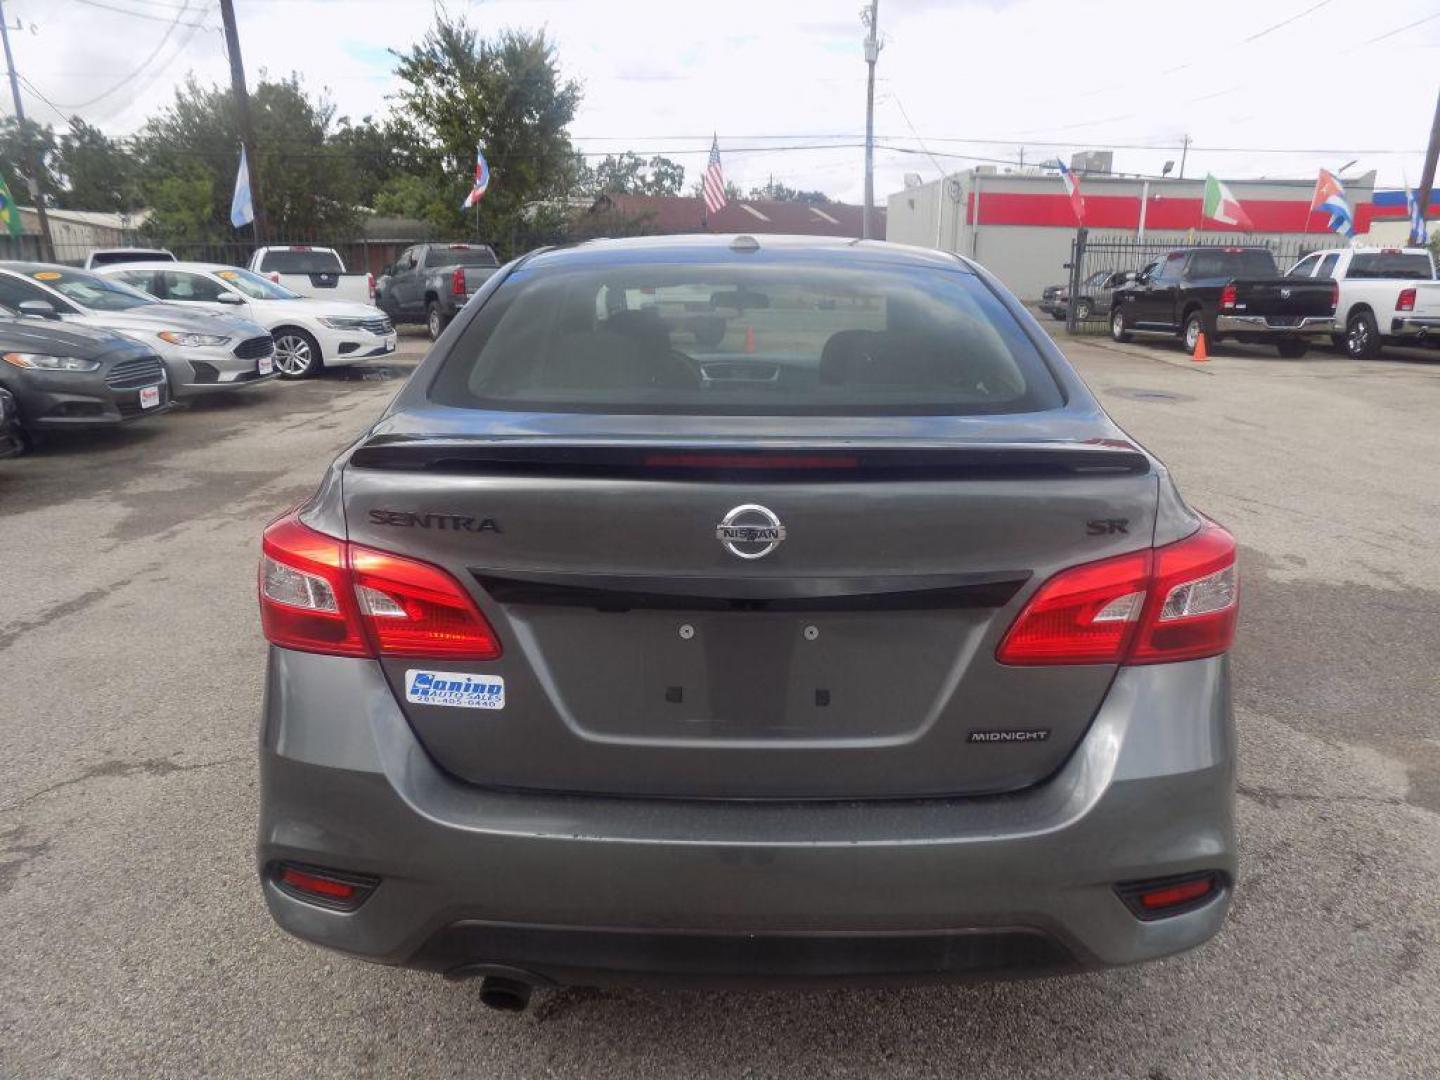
x,y
482,181
1330,197
1072,188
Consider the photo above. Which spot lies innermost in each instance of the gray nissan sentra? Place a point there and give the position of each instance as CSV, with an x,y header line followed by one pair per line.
x,y
731,610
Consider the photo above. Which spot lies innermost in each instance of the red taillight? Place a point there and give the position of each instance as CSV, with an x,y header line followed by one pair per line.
x,y
319,594
370,286
1177,602
1227,297
752,461
415,609
312,883
457,281
1406,301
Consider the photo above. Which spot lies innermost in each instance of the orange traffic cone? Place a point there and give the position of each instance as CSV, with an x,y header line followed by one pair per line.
x,y
749,339
1201,353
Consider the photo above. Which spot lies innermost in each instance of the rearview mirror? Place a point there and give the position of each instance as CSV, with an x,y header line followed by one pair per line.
x,y
40,309
229,298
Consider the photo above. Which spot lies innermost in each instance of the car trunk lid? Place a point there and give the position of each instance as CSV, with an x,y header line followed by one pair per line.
x,y
647,651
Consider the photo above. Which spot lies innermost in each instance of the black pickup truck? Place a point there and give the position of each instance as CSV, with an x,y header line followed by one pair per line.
x,y
1226,292
430,283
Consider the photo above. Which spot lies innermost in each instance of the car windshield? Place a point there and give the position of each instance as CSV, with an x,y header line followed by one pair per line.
x,y
746,339
254,286
461,256
308,261
92,291
1390,265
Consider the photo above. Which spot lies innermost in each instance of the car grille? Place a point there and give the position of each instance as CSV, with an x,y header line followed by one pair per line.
x,y
378,326
132,374
254,348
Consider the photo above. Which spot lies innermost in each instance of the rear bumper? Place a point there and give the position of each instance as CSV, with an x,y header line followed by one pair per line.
x,y
1415,327
1256,324
573,889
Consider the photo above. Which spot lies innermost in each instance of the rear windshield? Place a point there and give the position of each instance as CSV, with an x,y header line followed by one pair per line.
x,y
1397,265
746,339
463,256
302,262
114,258
1223,263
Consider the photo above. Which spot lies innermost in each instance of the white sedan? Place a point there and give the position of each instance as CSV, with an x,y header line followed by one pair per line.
x,y
309,333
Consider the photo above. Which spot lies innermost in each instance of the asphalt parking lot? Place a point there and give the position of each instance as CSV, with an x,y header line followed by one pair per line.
x,y
133,940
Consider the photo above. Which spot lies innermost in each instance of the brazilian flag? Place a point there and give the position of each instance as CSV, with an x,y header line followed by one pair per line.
x,y
9,212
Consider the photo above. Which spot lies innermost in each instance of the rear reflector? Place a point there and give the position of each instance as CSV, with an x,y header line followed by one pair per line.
x,y
1406,302
1177,602
1163,897
319,594
328,888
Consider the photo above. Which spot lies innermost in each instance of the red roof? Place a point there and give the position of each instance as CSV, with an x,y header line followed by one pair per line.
x,y
666,214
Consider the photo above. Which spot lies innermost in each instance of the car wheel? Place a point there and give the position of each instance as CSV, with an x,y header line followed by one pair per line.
x,y
1292,349
1194,327
297,354
1117,326
1083,311
435,320
1362,336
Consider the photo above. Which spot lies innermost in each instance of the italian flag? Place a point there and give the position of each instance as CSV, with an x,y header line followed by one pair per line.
x,y
1223,207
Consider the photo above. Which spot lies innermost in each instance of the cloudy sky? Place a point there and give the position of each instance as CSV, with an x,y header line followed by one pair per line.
x,y
1262,87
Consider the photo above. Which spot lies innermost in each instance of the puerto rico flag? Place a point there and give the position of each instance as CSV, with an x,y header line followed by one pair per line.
x,y
1330,197
482,181
1072,188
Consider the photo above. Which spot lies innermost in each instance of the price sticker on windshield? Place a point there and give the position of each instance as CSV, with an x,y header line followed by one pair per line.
x,y
46,275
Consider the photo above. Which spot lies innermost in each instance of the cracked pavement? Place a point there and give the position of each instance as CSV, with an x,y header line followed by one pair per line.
x,y
133,940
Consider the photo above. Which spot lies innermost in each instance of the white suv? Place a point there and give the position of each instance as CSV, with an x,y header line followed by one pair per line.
x,y
309,333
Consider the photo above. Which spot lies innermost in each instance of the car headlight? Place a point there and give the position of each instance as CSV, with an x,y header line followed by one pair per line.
x,y
342,324
46,362
185,337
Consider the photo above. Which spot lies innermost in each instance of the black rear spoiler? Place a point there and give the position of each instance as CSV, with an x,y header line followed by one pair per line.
x,y
765,459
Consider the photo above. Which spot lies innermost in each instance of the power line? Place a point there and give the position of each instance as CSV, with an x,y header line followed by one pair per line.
x,y
1401,29
36,91
133,13
174,23
1284,22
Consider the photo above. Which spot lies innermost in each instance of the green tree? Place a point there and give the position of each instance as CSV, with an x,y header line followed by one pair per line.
x,y
98,172
308,184
13,143
459,91
630,174
370,150
778,192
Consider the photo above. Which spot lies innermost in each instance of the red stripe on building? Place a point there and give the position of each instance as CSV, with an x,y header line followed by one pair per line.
x,y
1163,212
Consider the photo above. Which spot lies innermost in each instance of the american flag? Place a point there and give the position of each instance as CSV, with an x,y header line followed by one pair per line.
x,y
714,183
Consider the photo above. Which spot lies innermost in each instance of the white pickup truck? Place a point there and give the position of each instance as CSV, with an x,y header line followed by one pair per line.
x,y
1386,295
317,272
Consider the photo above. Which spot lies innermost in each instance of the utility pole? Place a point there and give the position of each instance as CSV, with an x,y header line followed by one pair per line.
x,y
1184,151
32,165
1427,174
242,113
872,53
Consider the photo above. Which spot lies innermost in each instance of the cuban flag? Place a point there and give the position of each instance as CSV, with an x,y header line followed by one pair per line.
x,y
1330,197
1072,188
482,181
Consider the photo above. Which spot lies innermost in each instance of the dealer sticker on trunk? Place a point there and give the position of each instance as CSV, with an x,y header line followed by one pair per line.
x,y
456,689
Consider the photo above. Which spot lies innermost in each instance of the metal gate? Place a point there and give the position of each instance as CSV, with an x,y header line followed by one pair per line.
x,y
1101,263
